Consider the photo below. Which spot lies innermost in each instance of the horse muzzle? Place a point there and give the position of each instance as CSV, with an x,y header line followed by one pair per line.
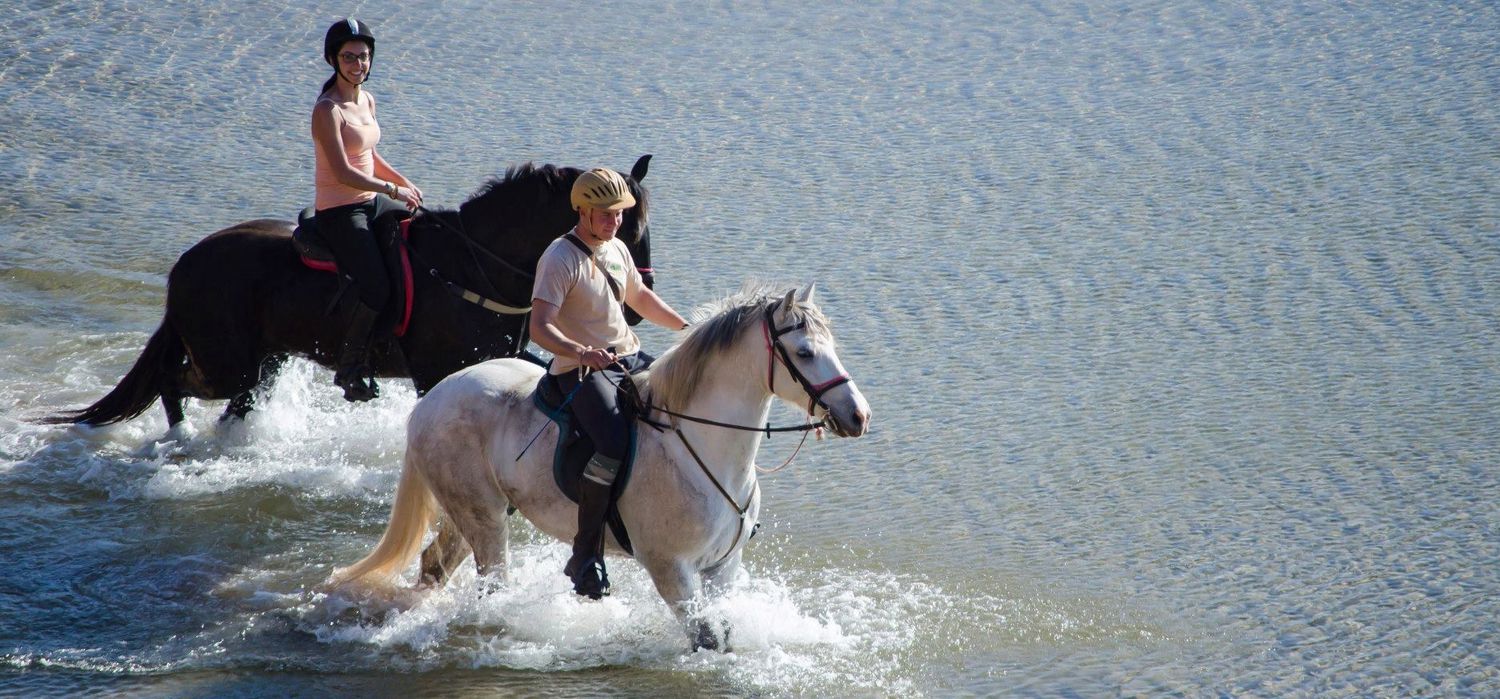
x,y
855,425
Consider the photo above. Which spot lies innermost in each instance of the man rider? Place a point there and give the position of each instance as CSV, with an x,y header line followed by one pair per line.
x,y
581,281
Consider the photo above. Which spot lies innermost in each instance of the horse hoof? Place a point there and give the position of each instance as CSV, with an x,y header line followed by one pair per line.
x,y
707,639
358,391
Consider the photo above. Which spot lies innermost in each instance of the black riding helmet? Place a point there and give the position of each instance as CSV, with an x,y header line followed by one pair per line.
x,y
346,30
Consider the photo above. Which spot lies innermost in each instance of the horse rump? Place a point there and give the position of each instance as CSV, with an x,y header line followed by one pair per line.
x,y
141,386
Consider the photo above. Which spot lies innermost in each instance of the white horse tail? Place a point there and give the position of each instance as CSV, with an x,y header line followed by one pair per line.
x,y
412,514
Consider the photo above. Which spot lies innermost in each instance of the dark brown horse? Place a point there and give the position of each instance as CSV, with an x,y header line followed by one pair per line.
x,y
240,301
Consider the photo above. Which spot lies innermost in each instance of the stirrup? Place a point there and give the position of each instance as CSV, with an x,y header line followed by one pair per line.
x,y
590,579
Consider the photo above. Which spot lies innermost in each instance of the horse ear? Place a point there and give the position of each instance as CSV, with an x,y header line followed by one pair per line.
x,y
806,296
786,303
639,171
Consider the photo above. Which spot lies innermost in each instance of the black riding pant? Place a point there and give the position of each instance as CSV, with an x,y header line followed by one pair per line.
x,y
350,232
596,405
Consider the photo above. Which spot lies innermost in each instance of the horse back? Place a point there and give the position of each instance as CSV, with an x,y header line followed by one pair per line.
x,y
241,252
466,434
241,292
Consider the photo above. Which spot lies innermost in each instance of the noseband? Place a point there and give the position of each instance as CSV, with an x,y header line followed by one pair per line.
x,y
774,348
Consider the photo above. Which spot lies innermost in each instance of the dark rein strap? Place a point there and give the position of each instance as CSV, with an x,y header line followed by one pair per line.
x,y
491,305
766,430
474,244
644,407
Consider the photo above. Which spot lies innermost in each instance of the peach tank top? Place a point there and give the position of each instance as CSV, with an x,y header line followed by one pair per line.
x,y
359,147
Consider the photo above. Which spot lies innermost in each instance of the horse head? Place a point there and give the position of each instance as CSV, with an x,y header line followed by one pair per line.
x,y
805,371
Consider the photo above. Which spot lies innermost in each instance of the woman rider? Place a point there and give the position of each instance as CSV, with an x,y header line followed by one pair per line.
x,y
356,188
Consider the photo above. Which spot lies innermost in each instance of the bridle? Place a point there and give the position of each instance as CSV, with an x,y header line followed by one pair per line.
x,y
775,352
774,348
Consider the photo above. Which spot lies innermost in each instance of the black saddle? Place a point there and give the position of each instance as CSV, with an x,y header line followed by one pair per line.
x,y
574,447
309,242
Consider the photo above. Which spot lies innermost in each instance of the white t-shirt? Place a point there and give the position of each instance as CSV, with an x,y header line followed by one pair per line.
x,y
588,312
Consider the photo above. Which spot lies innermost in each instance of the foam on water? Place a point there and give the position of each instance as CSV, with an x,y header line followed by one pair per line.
x,y
302,435
834,631
782,636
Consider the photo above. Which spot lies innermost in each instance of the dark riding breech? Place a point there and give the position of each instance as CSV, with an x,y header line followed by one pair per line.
x,y
596,405
357,250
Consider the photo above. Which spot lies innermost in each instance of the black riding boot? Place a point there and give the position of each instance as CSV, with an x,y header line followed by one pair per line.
x,y
586,567
353,369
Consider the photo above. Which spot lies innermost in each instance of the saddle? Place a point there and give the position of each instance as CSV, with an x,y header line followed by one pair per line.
x,y
574,447
316,254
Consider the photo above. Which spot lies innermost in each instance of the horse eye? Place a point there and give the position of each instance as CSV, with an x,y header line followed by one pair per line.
x,y
804,353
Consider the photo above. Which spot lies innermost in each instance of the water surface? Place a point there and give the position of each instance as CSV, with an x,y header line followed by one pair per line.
x,y
1178,321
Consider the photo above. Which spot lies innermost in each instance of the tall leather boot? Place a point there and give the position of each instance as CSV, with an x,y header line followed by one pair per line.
x,y
353,365
586,567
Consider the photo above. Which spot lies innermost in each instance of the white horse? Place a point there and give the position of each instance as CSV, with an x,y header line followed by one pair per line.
x,y
692,499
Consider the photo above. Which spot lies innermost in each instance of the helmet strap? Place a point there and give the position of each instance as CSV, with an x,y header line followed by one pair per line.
x,y
586,227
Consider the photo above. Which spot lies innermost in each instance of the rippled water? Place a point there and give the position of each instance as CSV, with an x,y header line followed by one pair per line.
x,y
1178,321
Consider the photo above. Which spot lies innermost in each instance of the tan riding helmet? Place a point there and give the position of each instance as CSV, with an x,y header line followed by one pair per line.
x,y
601,188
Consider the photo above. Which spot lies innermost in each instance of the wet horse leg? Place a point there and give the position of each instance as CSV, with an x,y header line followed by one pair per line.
x,y
446,552
482,525
718,581
679,587
172,403
242,403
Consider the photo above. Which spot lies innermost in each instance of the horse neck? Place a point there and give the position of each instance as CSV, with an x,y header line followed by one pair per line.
x,y
529,226
731,394
519,248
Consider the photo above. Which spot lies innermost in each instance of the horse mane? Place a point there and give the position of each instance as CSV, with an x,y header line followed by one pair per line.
x,y
525,188
674,378
528,183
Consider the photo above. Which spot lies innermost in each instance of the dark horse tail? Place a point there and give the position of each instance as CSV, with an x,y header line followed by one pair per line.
x,y
138,390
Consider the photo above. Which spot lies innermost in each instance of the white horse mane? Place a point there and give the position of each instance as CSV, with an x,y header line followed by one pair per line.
x,y
676,374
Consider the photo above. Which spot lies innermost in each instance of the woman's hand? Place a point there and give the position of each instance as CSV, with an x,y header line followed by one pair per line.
x,y
409,195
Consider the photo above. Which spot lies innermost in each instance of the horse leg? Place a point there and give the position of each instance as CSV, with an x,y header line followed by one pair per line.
x,y
243,402
482,525
680,587
446,552
172,403
718,581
